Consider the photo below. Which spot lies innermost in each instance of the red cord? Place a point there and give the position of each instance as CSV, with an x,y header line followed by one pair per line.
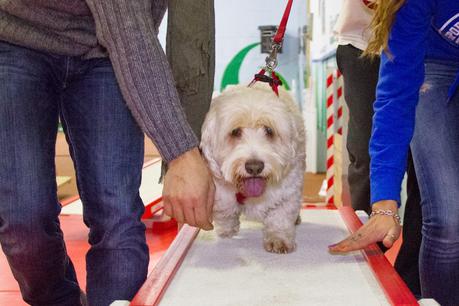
x,y
283,24
274,80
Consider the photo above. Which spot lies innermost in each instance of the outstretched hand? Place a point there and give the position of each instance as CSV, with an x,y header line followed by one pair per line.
x,y
378,228
188,193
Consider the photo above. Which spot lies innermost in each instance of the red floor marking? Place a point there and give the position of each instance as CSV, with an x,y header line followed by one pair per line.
x,y
11,298
76,236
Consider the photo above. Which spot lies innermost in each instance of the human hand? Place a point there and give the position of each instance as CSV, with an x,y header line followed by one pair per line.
x,y
378,228
188,193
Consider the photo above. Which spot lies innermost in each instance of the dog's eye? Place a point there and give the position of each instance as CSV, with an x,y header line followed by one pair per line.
x,y
269,131
236,133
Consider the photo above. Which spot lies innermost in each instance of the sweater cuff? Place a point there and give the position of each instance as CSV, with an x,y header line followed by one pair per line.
x,y
172,147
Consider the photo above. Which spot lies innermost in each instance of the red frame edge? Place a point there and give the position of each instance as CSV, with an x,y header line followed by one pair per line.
x,y
394,287
162,274
152,208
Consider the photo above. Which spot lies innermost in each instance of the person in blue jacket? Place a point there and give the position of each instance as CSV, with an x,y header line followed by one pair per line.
x,y
419,78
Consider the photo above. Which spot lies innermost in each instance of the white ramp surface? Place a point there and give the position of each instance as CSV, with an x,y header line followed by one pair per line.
x,y
238,271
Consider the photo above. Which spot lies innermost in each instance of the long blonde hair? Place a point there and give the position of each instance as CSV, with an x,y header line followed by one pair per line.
x,y
381,25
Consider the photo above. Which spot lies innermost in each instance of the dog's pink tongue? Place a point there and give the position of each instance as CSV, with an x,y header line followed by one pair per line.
x,y
254,186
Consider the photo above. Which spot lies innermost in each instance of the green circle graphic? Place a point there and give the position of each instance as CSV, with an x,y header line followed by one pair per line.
x,y
231,73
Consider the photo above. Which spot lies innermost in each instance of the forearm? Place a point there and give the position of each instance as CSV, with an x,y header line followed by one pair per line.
x,y
401,76
127,29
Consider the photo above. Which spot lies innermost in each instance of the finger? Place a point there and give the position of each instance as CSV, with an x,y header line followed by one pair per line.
x,y
392,235
369,233
202,218
178,212
167,207
189,215
344,246
356,241
336,247
210,202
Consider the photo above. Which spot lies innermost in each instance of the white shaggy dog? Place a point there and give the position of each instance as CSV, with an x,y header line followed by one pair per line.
x,y
254,143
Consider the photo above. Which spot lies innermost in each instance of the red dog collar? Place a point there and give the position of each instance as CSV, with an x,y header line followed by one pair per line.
x,y
240,198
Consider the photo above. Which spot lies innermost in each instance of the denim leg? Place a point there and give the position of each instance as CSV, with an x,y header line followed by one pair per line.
x,y
435,148
407,262
107,149
30,234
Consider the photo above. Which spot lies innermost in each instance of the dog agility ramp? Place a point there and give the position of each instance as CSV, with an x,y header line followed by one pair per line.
x,y
211,271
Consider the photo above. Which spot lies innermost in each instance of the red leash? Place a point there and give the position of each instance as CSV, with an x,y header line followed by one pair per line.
x,y
271,60
283,24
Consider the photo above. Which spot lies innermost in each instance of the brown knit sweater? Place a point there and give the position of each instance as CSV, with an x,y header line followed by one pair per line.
x,y
124,30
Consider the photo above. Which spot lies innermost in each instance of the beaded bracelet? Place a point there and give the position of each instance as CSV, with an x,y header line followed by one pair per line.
x,y
387,212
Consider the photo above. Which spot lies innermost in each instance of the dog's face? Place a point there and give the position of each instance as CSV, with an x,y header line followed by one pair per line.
x,y
249,139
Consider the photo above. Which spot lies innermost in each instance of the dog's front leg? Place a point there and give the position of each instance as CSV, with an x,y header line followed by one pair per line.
x,y
279,231
227,221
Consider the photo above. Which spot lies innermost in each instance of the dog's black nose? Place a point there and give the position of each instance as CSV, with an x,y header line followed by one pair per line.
x,y
254,167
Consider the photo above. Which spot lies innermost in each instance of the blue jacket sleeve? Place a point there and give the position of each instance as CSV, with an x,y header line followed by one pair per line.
x,y
400,78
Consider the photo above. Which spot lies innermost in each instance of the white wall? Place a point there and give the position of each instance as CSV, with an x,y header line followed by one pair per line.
x,y
325,14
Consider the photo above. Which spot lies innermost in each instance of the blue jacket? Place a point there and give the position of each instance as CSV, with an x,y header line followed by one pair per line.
x,y
423,29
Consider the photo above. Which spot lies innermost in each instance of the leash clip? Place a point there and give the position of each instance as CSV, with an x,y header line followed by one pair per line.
x,y
271,59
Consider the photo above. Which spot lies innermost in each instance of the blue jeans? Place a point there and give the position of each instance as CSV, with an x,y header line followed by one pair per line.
x,y
106,146
435,148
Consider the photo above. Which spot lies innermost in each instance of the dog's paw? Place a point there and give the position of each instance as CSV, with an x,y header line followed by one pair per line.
x,y
227,233
279,246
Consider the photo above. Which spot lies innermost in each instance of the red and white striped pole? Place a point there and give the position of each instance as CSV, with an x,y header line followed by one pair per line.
x,y
338,84
330,175
334,94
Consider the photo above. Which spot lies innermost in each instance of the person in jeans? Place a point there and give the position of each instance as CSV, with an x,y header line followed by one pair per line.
x,y
98,66
360,73
419,79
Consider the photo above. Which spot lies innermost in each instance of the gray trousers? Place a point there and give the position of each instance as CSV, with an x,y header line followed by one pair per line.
x,y
360,79
191,54
190,50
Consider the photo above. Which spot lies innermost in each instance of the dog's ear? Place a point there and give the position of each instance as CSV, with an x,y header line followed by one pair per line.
x,y
297,144
209,142
300,135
